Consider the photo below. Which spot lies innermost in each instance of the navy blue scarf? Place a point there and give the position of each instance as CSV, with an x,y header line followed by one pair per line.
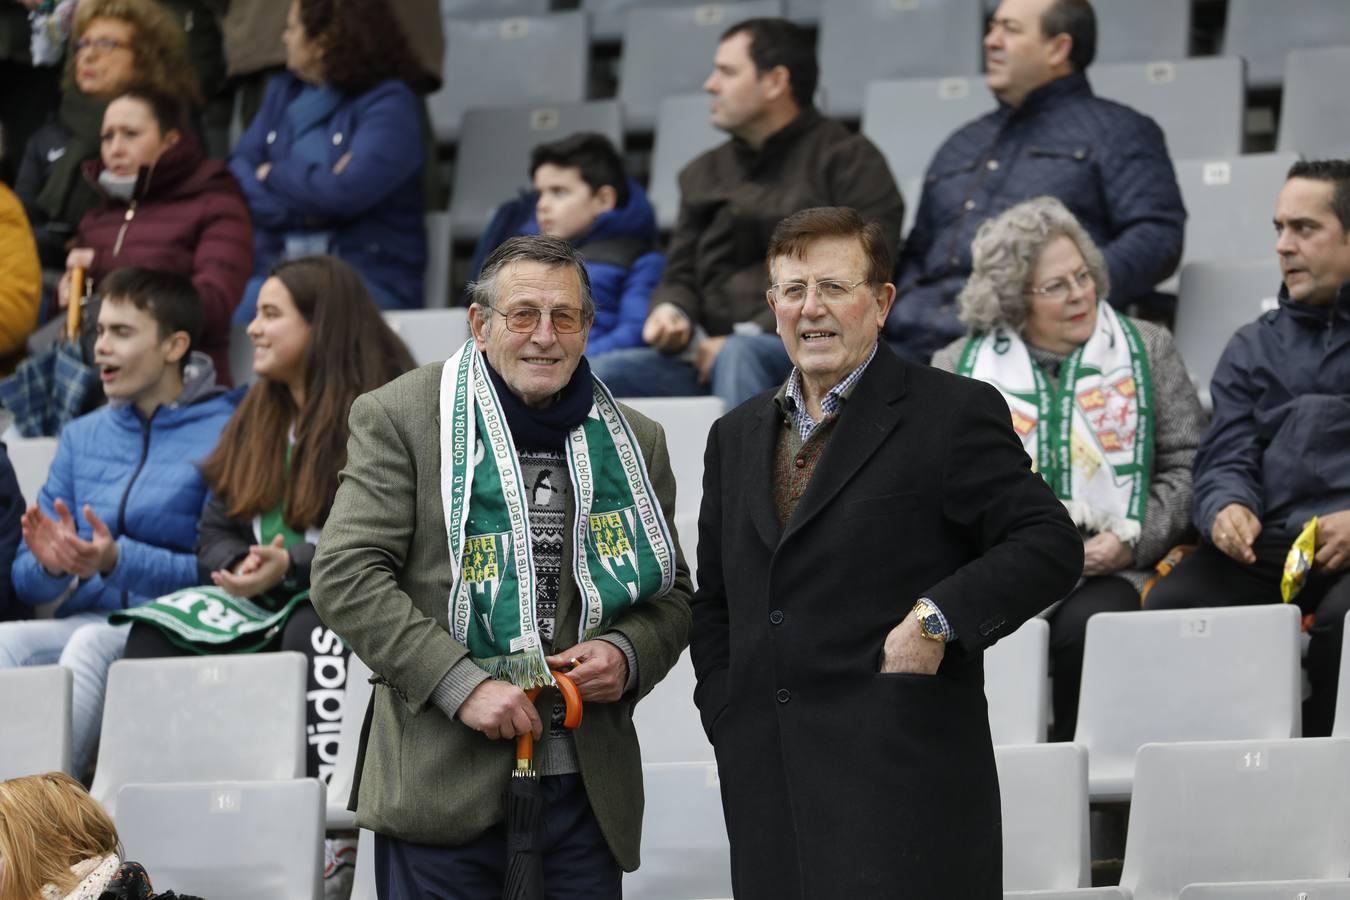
x,y
547,428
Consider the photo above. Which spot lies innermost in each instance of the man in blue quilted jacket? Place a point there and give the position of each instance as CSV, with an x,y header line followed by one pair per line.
x,y
1050,135
114,524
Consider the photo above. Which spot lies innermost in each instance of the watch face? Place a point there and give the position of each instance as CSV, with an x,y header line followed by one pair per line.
x,y
932,624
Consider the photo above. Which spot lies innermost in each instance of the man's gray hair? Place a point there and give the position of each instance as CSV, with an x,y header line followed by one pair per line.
x,y
1003,256
536,248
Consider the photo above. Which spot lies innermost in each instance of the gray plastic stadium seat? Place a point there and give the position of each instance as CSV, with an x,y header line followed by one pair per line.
x,y
202,718
241,355
355,699
31,458
431,335
494,9
1319,889
228,840
35,712
440,248
1313,118
684,130
363,882
1263,32
867,40
909,118
1198,103
669,50
507,62
1237,811
1142,30
667,721
1220,673
1216,299
1043,790
686,422
1341,725
1097,893
607,16
684,838
804,12
1015,685
911,190
493,163
1229,205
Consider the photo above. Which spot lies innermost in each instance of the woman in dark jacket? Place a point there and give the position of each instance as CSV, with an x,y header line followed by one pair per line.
x,y
113,45
333,161
167,206
319,342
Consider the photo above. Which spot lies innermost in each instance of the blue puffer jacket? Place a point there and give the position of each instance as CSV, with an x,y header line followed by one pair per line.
x,y
1279,442
1107,163
141,478
373,206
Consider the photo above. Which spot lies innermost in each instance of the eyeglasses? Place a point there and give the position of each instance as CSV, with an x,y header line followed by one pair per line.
x,y
831,290
525,319
1061,288
102,45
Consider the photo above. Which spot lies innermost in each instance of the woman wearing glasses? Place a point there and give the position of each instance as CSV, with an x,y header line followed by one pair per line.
x,y
319,342
114,44
1102,403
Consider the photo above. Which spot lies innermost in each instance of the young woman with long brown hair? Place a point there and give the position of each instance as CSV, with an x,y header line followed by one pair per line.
x,y
319,342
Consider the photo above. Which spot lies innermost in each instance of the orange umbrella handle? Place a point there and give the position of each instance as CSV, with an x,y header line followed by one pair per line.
x,y
73,306
571,717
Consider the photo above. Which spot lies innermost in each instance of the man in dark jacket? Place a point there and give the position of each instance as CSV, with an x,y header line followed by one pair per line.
x,y
866,532
1050,135
1277,452
708,328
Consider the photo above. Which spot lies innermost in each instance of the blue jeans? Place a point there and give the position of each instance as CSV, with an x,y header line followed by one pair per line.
x,y
86,645
748,364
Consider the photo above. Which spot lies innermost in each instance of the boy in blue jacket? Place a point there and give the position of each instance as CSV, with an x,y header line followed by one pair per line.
x,y
114,525
584,196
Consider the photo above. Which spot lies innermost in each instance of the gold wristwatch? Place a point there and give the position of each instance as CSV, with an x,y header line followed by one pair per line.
x,y
930,622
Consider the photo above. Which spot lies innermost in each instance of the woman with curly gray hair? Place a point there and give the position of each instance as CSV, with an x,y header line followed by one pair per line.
x,y
1102,403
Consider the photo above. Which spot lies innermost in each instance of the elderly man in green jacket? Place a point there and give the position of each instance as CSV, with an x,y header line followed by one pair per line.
x,y
501,516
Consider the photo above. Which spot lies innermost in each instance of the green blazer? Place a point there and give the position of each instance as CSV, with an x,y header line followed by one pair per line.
x,y
381,580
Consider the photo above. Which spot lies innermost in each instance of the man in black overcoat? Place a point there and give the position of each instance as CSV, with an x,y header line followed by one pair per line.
x,y
866,531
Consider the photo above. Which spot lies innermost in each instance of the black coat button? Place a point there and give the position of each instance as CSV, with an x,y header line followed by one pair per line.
x,y
783,695
776,617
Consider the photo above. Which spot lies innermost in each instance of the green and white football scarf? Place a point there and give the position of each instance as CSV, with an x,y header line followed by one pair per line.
x,y
623,552
1091,438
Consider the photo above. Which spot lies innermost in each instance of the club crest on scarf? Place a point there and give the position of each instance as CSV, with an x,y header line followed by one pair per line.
x,y
611,536
482,564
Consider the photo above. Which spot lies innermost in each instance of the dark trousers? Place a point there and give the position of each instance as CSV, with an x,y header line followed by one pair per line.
x,y
1209,577
576,860
326,678
1068,631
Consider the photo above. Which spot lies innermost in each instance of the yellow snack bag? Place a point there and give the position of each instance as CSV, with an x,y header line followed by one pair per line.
x,y
1299,561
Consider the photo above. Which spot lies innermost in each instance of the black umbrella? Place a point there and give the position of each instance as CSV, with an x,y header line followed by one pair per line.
x,y
525,805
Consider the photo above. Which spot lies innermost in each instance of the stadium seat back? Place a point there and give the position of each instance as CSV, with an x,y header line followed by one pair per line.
x,y
1312,113
684,838
31,458
202,718
1043,789
493,162
431,335
684,130
1237,811
867,40
669,50
1198,103
1302,889
910,118
35,710
1218,298
1206,674
522,60
228,840
1016,685
1263,33
667,721
1142,30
